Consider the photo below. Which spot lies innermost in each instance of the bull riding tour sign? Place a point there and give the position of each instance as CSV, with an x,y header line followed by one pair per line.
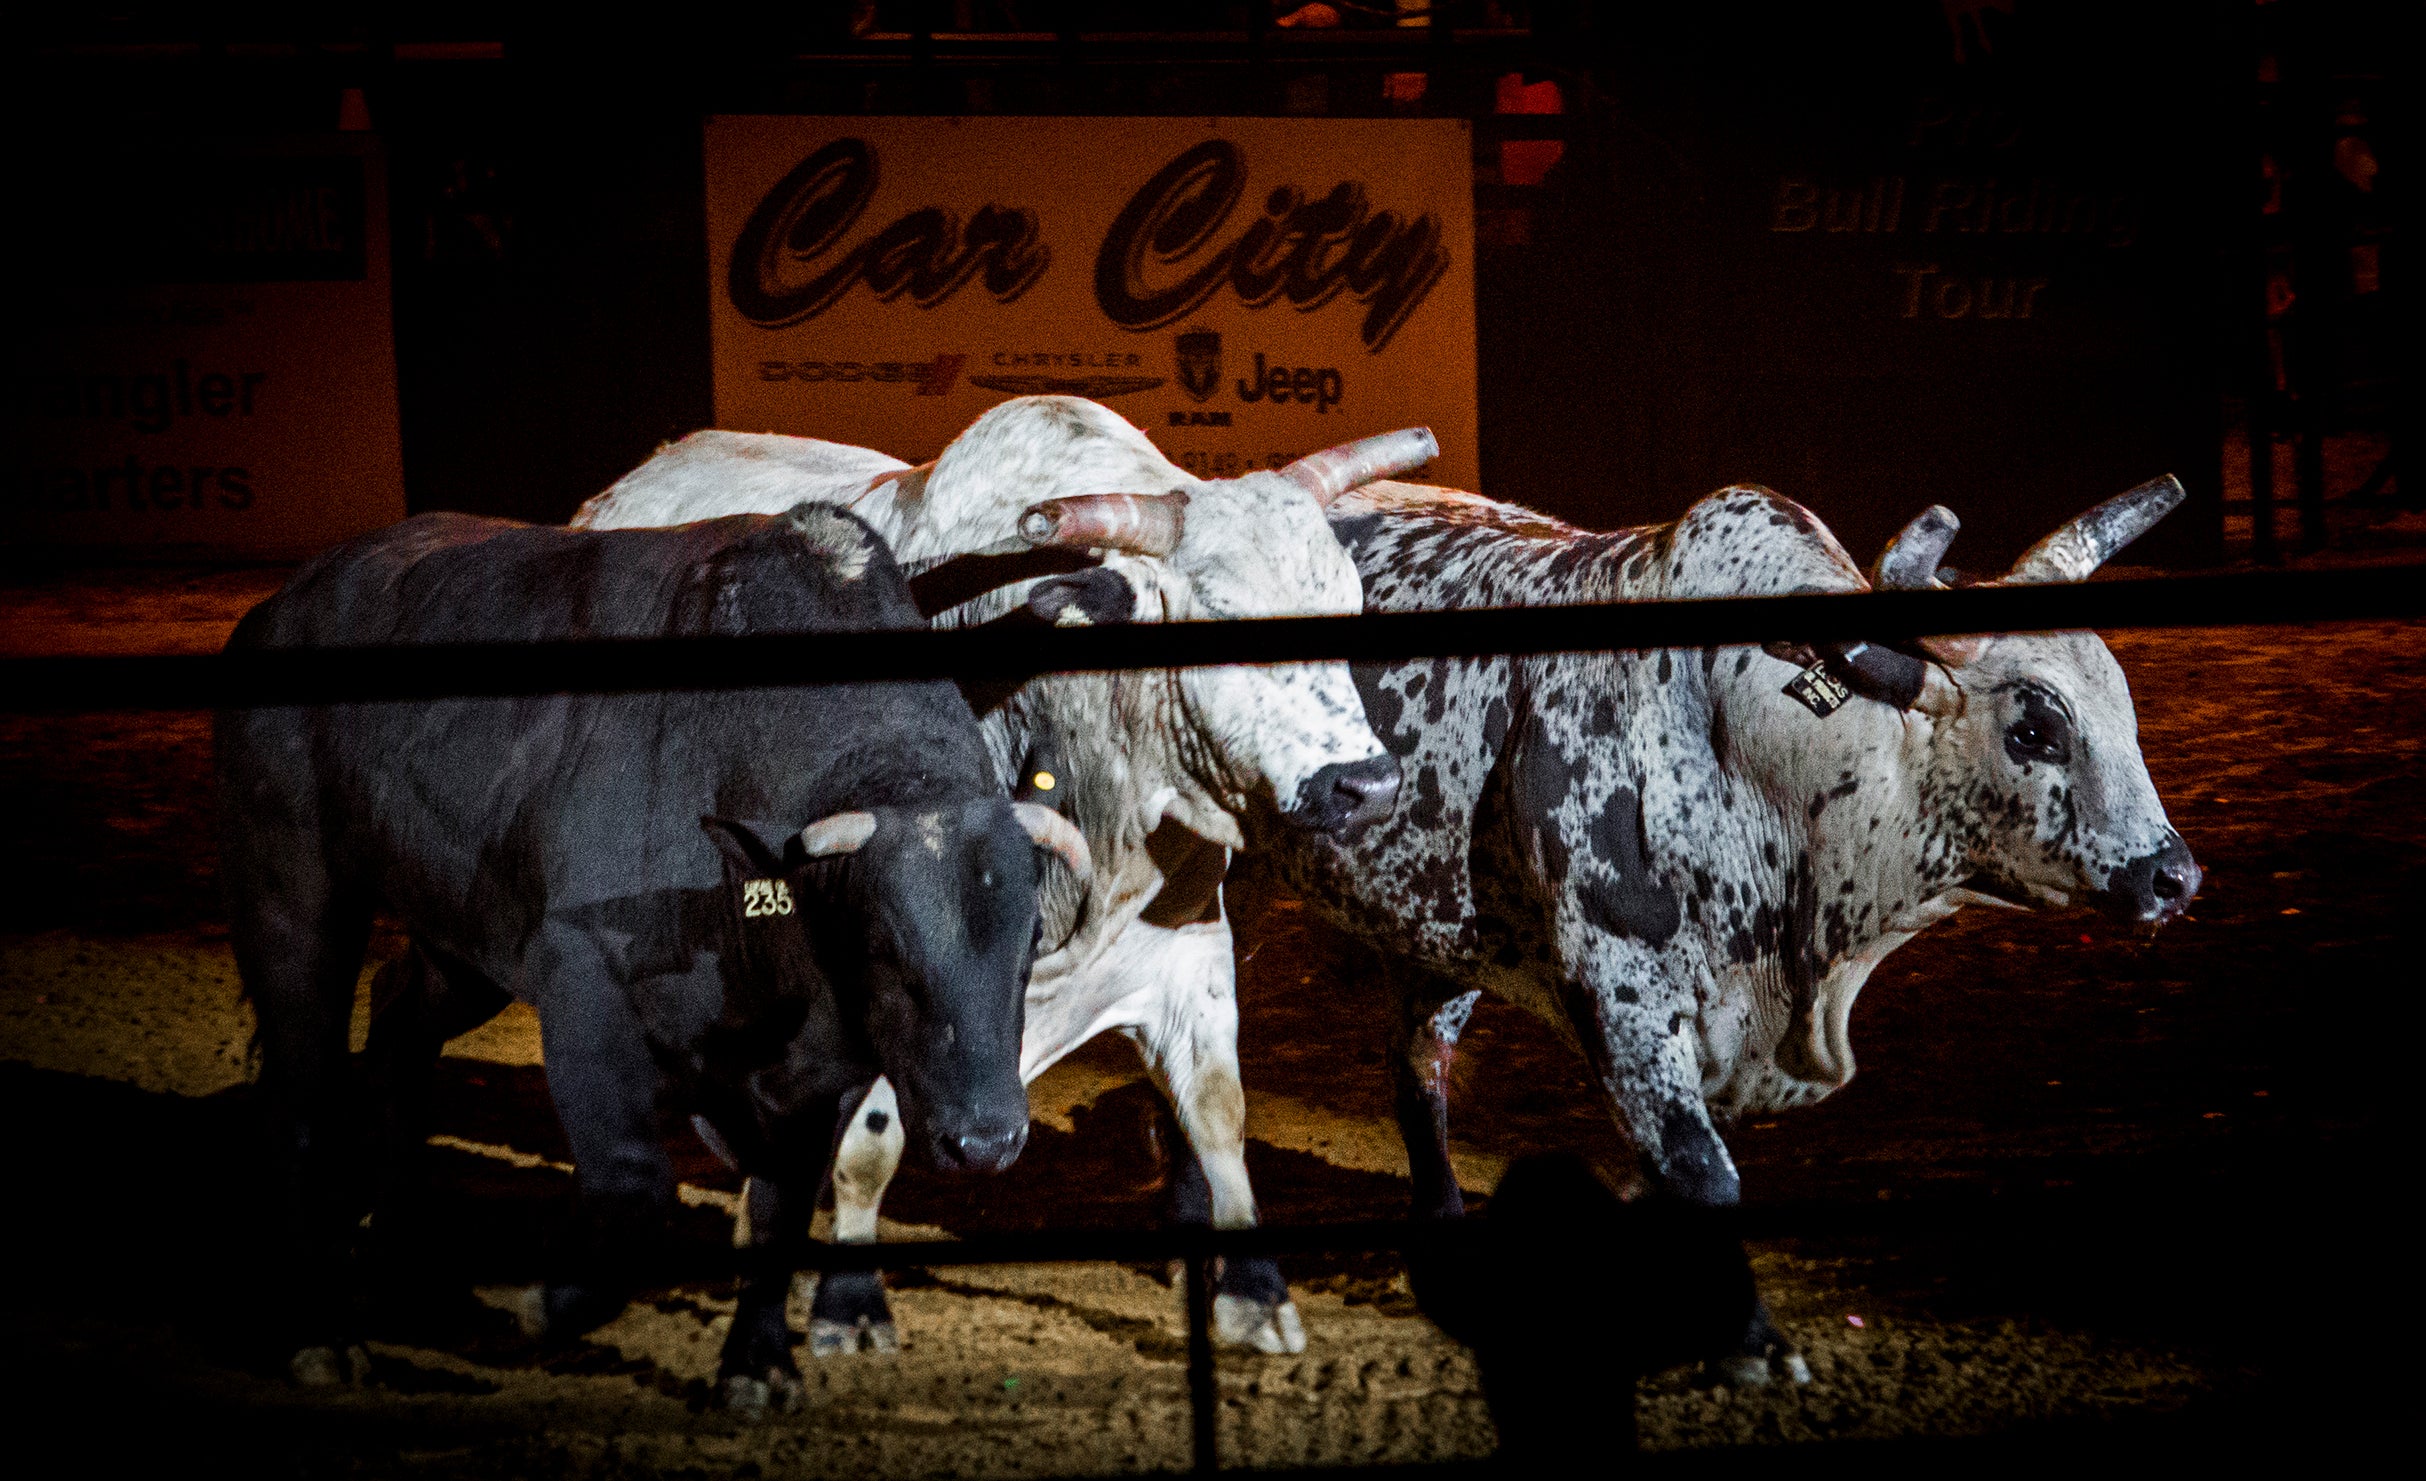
x,y
1245,290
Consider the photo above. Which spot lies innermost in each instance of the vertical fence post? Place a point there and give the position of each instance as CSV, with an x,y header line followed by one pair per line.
x,y
1200,1363
2264,337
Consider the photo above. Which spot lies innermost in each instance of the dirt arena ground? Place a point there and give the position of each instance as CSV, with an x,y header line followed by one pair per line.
x,y
2090,1193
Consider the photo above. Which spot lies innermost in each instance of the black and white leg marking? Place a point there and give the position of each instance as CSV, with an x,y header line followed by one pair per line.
x,y
1192,1053
849,1312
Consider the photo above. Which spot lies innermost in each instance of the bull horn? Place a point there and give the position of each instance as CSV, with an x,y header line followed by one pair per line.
x,y
1351,465
1050,830
2079,548
1139,524
1910,561
842,833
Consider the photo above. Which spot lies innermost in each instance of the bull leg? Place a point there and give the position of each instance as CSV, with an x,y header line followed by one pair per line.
x,y
1432,1014
1191,1049
755,1372
299,936
1652,1077
604,1083
850,1308
418,1002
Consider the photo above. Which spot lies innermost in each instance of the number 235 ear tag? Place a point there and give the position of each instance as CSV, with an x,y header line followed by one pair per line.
x,y
1818,691
761,897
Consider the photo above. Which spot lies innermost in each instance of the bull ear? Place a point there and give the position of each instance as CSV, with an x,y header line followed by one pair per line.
x,y
2079,548
1097,597
962,578
1351,465
1910,561
755,848
1888,675
1091,597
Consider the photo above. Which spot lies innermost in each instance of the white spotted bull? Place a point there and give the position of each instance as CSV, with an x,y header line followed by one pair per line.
x,y
1163,771
1680,867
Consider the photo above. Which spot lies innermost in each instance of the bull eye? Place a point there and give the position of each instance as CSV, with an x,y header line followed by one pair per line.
x,y
2040,733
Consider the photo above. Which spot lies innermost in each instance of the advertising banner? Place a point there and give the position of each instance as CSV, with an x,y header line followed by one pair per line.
x,y
1245,290
212,370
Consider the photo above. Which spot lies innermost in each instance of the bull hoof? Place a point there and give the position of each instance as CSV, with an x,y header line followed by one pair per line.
x,y
829,1338
1756,1370
1766,1353
1267,1327
757,1397
529,1308
849,1314
330,1367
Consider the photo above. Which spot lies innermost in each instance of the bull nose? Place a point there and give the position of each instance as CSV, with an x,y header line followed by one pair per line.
x,y
982,1149
2156,887
1347,795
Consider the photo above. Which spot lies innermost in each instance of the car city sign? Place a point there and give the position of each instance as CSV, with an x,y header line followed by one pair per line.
x,y
1246,290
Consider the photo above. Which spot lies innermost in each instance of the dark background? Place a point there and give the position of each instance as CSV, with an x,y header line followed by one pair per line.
x,y
1645,335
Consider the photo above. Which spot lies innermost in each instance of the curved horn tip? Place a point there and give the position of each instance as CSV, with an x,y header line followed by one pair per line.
x,y
1351,465
2164,486
1048,829
842,833
1910,560
2091,539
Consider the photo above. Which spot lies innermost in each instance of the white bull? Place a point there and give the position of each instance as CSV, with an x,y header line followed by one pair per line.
x,y
1163,771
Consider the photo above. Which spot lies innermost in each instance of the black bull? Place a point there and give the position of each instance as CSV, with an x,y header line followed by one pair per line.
x,y
743,905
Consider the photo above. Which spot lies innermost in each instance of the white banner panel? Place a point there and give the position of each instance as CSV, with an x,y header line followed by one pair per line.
x,y
1246,290
215,372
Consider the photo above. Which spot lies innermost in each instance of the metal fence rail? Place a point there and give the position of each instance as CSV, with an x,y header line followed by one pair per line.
x,y
620,666
495,670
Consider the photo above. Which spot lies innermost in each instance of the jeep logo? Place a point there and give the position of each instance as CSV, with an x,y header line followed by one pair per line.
x,y
1320,389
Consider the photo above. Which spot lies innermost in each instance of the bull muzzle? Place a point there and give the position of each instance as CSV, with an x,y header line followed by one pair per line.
x,y
2154,888
986,1146
1346,796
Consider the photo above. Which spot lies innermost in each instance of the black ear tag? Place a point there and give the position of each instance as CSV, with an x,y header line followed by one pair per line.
x,y
1818,691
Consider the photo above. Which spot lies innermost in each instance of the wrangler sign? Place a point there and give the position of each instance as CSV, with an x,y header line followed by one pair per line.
x,y
1245,290
206,365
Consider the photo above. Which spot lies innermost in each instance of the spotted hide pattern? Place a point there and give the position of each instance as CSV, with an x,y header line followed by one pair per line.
x,y
1662,855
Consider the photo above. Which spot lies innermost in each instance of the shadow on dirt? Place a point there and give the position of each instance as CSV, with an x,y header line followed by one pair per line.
x,y
146,1252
